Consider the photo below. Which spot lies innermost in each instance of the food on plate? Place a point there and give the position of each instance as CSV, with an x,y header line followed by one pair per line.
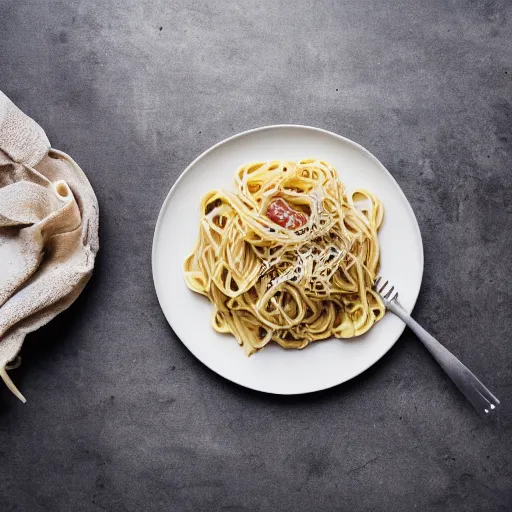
x,y
289,257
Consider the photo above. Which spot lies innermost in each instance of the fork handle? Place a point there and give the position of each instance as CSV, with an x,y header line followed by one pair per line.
x,y
470,386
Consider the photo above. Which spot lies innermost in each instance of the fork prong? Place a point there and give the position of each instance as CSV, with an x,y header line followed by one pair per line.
x,y
395,296
376,282
389,293
382,288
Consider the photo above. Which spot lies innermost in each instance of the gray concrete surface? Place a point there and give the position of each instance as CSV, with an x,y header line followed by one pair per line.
x,y
120,417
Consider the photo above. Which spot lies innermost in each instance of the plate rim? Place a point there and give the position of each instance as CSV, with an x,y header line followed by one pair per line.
x,y
231,138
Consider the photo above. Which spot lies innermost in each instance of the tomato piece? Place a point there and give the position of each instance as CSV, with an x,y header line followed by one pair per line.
x,y
281,213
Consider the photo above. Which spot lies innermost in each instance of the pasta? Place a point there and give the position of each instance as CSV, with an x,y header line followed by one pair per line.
x,y
289,257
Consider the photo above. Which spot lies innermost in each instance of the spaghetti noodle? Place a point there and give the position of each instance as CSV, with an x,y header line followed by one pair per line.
x,y
289,257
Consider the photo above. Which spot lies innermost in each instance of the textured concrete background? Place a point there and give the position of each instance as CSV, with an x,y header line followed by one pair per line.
x,y
120,417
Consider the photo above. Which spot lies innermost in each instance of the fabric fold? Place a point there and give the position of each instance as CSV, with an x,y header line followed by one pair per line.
x,y
48,232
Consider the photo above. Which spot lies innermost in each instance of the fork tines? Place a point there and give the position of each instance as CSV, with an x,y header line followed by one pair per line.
x,y
381,289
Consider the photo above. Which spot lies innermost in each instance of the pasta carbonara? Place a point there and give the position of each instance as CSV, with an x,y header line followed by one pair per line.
x,y
289,257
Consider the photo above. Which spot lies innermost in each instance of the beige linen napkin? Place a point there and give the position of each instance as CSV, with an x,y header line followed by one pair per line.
x,y
48,232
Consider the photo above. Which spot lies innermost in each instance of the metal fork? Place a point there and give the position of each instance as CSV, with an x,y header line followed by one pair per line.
x,y
477,394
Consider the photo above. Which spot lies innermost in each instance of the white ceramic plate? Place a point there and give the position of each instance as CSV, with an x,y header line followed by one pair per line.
x,y
273,369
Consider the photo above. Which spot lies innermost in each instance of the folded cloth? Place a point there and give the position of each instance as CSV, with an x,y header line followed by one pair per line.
x,y
48,232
